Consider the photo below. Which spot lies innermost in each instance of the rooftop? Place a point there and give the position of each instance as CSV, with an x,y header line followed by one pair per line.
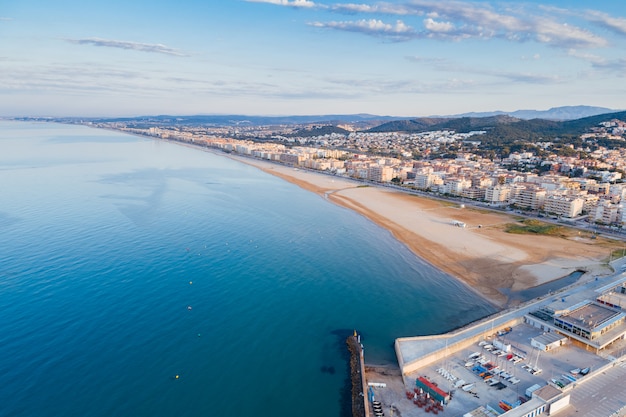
x,y
590,316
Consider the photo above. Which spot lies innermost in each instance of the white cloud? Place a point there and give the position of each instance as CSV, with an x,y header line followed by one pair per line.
x,y
292,3
435,26
595,59
551,32
399,31
383,8
616,24
135,46
451,19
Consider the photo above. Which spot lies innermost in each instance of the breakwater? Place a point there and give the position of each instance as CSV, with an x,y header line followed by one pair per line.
x,y
357,377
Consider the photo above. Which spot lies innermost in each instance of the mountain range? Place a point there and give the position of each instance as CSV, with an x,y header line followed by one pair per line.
x,y
555,113
504,129
359,121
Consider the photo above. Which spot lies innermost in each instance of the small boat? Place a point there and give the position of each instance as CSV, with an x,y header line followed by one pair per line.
x,y
467,387
585,371
575,371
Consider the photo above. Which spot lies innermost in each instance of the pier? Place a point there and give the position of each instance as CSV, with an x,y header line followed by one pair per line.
x,y
360,403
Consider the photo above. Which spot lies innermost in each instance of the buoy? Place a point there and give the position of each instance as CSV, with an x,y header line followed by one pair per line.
x,y
176,377
190,282
188,307
199,335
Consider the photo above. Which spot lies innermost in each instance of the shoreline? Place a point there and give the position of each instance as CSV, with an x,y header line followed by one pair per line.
x,y
494,261
482,257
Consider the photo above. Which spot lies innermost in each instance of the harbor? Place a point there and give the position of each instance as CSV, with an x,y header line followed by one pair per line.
x,y
561,353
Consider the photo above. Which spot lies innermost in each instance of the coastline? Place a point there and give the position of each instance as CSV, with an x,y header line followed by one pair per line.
x,y
486,259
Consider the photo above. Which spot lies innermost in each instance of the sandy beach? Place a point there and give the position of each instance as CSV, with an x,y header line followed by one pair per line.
x,y
484,257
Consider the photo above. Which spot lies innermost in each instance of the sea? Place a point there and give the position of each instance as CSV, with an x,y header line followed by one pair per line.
x,y
142,278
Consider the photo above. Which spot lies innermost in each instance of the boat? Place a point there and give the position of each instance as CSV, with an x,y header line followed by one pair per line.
x,y
467,387
585,371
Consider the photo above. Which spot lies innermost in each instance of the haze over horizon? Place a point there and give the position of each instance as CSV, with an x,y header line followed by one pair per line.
x,y
297,57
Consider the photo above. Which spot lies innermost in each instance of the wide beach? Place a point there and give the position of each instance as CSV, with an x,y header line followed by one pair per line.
x,y
482,255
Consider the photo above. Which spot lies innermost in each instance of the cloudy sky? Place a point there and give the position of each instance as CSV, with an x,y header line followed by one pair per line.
x,y
280,57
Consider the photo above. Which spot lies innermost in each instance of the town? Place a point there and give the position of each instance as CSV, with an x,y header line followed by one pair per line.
x,y
583,185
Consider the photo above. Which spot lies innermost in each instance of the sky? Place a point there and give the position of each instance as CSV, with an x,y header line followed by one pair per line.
x,y
308,57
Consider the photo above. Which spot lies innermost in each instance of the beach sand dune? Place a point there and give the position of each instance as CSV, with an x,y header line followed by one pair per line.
x,y
484,257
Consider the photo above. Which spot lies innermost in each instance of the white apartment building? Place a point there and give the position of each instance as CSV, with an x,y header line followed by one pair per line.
x,y
564,205
607,212
380,173
498,194
474,193
455,186
425,181
591,202
531,197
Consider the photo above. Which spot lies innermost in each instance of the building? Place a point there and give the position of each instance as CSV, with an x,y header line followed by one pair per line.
x,y
380,173
562,205
425,181
455,186
548,341
531,197
590,320
474,193
606,212
498,194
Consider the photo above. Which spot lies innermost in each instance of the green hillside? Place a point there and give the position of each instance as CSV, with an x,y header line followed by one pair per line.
x,y
503,129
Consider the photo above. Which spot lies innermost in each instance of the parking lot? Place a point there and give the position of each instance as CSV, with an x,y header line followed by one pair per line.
x,y
485,374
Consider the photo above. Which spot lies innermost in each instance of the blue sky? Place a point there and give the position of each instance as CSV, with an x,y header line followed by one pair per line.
x,y
280,57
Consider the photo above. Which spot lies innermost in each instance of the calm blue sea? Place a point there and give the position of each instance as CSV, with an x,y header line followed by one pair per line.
x,y
127,261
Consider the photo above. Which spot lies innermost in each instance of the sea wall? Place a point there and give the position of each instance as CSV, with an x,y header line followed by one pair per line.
x,y
450,343
360,403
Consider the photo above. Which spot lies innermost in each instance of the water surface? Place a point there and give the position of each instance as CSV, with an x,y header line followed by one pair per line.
x,y
127,261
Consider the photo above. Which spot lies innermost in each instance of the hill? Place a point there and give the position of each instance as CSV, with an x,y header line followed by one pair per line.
x,y
504,129
318,131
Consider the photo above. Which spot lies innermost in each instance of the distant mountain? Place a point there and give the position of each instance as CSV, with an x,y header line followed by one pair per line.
x,y
243,120
555,113
458,124
359,121
318,131
503,129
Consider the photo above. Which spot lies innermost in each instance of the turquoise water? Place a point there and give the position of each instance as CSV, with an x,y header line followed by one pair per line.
x,y
126,261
